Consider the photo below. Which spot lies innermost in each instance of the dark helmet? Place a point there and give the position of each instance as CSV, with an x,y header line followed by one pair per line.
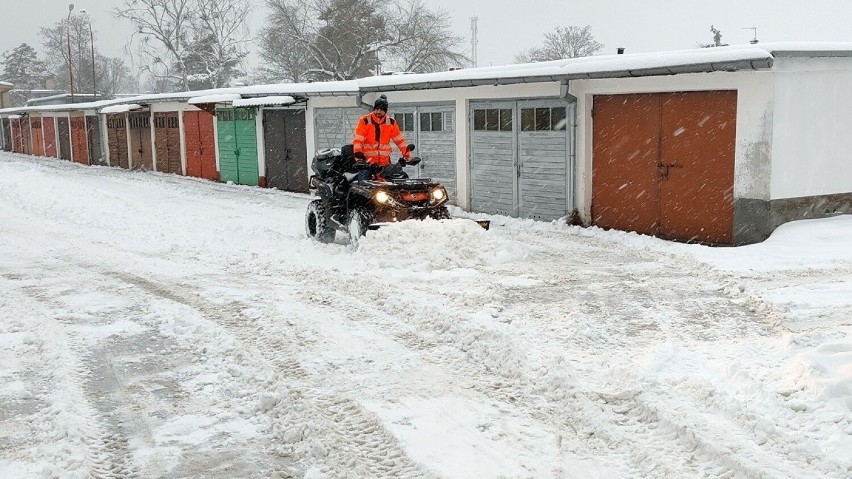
x,y
381,103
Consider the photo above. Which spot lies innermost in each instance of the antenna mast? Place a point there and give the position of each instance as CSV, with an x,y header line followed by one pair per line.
x,y
754,40
474,40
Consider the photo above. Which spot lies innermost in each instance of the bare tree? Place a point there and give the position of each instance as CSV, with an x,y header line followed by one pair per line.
x,y
434,47
189,43
564,42
346,39
285,57
162,34
222,33
111,74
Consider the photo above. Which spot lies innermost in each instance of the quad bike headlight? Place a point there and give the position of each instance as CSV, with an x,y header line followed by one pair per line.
x,y
438,194
382,197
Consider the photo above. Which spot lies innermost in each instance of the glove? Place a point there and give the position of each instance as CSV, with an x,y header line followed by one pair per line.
x,y
359,155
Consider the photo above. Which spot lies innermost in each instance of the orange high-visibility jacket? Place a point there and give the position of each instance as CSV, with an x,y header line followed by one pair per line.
x,y
373,137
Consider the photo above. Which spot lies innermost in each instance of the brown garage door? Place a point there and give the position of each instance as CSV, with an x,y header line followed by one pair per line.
x,y
117,140
79,142
167,139
38,136
663,164
141,154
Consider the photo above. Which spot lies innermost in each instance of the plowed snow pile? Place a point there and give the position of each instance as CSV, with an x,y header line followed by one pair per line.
x,y
438,245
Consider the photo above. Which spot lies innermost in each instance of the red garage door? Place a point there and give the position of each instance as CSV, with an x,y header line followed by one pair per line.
x,y
49,128
200,145
663,164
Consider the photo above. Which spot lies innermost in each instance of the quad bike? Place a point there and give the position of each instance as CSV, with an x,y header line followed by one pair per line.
x,y
347,203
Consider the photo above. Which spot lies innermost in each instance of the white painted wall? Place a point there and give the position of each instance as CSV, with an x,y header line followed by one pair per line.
x,y
754,124
812,143
165,107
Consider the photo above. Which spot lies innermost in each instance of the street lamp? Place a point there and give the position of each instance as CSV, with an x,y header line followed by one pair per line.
x,y
92,39
70,68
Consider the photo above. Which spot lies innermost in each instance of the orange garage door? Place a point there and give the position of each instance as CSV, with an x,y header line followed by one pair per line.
x,y
663,164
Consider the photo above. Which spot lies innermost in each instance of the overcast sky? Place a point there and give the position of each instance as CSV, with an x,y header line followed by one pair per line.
x,y
507,27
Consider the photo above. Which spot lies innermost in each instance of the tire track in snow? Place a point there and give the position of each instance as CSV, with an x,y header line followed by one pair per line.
x,y
354,442
686,438
105,451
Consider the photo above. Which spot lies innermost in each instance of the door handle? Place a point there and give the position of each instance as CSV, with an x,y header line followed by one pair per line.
x,y
664,169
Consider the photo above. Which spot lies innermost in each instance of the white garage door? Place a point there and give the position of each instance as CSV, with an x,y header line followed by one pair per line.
x,y
521,158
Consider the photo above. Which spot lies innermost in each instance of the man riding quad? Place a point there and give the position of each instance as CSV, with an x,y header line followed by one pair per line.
x,y
359,187
373,135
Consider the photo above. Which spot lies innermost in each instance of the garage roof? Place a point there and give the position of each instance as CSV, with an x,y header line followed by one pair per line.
x,y
701,60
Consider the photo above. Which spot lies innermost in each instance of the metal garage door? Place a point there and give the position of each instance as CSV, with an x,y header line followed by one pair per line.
x,y
79,142
48,126
141,151
93,130
26,136
520,161
167,142
237,130
117,140
64,128
286,150
17,147
200,139
432,129
335,127
38,136
544,145
663,164
7,135
493,167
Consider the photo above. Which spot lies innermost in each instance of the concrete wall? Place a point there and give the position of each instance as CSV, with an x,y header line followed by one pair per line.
x,y
812,144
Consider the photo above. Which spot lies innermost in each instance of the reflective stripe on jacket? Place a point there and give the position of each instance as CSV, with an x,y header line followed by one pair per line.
x,y
373,137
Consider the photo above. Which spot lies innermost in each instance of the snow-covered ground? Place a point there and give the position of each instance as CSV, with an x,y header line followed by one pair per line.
x,y
156,326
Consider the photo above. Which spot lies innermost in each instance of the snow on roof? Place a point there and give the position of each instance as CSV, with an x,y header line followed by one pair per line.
x,y
600,66
348,87
2,83
121,108
214,98
266,101
732,58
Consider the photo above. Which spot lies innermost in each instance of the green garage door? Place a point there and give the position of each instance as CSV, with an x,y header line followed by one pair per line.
x,y
237,131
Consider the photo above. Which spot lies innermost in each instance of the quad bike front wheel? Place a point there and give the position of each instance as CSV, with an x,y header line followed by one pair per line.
x,y
360,220
317,224
440,213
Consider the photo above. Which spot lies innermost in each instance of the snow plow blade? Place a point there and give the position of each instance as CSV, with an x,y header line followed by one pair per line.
x,y
485,224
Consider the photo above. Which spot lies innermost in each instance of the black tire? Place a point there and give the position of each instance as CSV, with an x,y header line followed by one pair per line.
x,y
359,221
317,224
440,213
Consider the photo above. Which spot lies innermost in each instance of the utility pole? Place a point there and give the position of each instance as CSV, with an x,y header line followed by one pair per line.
x,y
70,67
92,40
474,40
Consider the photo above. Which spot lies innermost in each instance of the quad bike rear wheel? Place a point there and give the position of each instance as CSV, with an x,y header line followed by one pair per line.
x,y
317,224
359,221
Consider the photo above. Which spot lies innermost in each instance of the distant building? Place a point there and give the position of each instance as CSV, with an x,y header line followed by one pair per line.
x,y
62,98
5,99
